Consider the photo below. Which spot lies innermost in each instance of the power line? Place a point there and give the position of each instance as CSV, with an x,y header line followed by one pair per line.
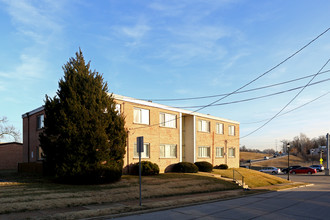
x,y
286,104
289,110
258,97
243,91
268,71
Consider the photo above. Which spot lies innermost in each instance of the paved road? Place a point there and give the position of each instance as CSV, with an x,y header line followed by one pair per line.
x,y
311,202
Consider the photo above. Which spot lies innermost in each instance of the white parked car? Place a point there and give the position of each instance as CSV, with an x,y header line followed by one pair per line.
x,y
273,170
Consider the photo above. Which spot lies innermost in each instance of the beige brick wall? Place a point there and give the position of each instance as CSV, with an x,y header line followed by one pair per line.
x,y
153,134
156,135
212,139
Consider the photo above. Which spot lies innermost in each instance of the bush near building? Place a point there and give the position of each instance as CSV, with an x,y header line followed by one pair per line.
x,y
221,167
204,166
185,167
147,168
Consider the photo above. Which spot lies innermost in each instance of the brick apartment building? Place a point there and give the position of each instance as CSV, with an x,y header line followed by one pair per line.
x,y
10,155
171,135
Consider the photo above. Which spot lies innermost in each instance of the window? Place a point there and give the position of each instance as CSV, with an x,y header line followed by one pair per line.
x,y
219,128
219,152
40,153
167,151
118,109
141,116
40,121
231,152
203,151
167,120
231,130
145,153
203,126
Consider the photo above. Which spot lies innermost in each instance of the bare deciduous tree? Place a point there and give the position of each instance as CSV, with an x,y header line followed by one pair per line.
x,y
8,130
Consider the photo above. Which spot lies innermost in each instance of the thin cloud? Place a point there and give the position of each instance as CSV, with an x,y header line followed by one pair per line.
x,y
39,24
35,21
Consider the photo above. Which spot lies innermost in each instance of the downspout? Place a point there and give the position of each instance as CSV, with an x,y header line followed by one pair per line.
x,y
127,152
194,128
180,142
213,148
226,152
28,133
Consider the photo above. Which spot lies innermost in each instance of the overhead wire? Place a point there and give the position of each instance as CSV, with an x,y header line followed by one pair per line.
x,y
263,74
258,97
286,104
243,91
300,106
268,71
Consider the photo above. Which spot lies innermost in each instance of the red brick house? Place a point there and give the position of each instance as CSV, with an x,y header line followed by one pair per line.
x,y
11,154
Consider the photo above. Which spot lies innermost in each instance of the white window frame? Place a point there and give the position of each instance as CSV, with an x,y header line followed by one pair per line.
x,y
203,125
168,151
145,153
167,120
40,121
219,128
231,130
231,152
141,116
219,151
204,152
118,108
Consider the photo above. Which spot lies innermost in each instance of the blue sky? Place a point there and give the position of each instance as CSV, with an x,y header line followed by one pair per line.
x,y
175,49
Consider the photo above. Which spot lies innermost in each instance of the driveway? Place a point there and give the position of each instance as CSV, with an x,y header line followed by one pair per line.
x,y
312,202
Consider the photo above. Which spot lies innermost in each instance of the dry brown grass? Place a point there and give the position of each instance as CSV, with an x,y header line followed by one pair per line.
x,y
252,155
282,162
29,195
253,178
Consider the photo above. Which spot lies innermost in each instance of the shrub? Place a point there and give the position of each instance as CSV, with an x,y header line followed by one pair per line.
x,y
185,167
222,167
147,168
204,166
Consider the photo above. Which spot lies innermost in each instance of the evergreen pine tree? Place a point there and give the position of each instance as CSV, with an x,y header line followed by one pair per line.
x,y
84,137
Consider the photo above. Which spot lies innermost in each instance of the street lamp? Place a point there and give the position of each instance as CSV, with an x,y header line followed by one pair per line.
x,y
288,150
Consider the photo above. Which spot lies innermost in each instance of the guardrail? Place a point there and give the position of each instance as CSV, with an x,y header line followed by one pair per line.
x,y
238,178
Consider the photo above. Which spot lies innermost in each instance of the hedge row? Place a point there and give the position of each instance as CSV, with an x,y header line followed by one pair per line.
x,y
148,168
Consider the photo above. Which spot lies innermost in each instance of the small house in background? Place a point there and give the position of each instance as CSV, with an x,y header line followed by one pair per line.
x,y
11,154
171,135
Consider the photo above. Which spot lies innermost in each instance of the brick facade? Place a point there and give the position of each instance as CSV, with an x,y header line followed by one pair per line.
x,y
169,141
11,154
31,130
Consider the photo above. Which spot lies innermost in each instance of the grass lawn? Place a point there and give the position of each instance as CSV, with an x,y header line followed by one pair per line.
x,y
252,155
253,178
26,195
25,192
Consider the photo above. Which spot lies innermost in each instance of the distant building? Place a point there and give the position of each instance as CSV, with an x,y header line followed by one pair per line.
x,y
171,135
11,154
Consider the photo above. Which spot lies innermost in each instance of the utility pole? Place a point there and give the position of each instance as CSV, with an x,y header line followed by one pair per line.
x,y
327,169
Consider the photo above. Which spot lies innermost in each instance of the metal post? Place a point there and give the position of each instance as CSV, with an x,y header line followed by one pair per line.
x,y
288,147
140,149
327,169
140,181
233,174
